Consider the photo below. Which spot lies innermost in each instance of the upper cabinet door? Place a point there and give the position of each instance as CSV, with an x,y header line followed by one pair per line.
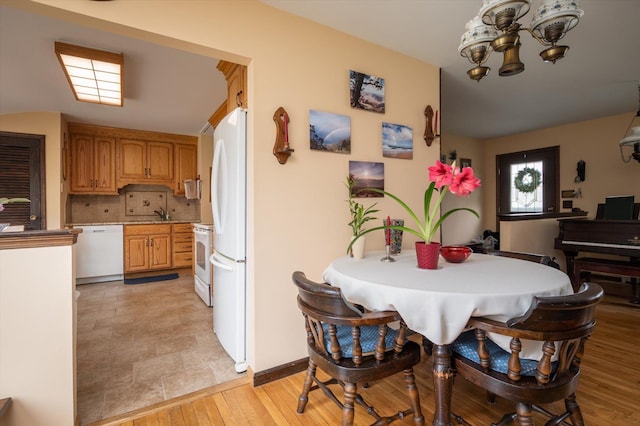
x,y
186,165
132,159
236,76
93,164
104,170
160,161
145,162
81,163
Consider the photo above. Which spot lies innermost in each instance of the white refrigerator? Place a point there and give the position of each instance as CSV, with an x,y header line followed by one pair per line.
x,y
229,203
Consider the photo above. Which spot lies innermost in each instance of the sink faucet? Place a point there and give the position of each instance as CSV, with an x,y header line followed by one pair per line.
x,y
163,214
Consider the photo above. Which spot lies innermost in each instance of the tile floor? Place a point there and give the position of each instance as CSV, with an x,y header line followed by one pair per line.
x,y
141,344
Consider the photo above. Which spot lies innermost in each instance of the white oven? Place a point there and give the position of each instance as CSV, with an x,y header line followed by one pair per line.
x,y
203,242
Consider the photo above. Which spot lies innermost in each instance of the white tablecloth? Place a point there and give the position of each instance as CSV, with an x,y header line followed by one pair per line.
x,y
438,303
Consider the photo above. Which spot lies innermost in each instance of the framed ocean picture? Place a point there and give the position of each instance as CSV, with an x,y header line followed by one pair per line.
x,y
397,141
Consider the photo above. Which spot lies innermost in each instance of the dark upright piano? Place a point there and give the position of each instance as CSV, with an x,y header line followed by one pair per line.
x,y
616,237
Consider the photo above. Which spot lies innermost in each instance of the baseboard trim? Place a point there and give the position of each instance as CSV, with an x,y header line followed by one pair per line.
x,y
279,372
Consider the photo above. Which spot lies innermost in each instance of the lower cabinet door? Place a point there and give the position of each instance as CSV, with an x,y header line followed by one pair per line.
x,y
136,253
160,254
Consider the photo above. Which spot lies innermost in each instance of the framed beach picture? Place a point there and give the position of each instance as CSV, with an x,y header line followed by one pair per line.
x,y
329,132
366,174
366,92
397,141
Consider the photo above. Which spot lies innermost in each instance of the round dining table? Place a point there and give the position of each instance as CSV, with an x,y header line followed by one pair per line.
x,y
438,303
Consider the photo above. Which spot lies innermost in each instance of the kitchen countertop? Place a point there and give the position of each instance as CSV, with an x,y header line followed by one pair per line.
x,y
140,222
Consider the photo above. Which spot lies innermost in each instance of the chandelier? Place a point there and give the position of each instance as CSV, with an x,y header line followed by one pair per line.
x,y
496,28
632,138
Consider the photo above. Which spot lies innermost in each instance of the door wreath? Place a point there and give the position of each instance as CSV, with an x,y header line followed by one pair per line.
x,y
527,180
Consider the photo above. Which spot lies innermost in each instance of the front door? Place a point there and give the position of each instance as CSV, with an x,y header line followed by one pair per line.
x,y
22,176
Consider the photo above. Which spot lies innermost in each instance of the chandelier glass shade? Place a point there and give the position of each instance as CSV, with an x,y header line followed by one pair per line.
x,y
496,29
632,140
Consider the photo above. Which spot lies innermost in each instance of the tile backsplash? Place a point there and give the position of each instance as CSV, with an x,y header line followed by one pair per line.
x,y
136,203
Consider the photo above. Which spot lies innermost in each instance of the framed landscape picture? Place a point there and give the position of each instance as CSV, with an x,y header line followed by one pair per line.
x,y
397,141
329,132
367,174
366,92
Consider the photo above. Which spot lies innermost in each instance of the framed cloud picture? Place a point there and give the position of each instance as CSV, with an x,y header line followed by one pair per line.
x,y
329,132
397,141
366,92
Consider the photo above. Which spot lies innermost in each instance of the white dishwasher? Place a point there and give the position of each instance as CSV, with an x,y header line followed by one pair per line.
x,y
99,254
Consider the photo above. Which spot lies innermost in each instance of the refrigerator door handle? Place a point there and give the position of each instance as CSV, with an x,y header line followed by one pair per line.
x,y
219,263
219,187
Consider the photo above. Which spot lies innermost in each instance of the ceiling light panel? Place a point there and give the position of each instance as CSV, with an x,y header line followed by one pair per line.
x,y
94,75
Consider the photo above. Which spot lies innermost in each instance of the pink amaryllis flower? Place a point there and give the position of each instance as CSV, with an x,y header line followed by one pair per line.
x,y
441,174
464,182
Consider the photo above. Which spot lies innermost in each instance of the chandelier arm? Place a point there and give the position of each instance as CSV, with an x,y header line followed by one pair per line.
x,y
540,40
626,160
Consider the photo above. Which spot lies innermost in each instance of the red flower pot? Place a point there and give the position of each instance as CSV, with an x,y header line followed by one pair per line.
x,y
427,254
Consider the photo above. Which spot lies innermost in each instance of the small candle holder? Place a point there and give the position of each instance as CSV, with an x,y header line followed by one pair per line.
x,y
388,257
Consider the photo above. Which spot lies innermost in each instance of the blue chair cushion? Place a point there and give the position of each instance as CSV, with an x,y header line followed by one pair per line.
x,y
368,339
466,346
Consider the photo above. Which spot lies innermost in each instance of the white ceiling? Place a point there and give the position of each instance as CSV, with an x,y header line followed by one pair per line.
x,y
175,91
166,90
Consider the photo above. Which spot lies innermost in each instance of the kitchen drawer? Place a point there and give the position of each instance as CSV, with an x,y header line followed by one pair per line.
x,y
182,247
182,260
146,229
183,238
182,227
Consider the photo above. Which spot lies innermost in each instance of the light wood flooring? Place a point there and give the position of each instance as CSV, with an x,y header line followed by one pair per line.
x,y
141,344
609,392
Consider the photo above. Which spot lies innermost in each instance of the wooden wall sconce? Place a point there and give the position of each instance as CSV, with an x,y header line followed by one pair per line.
x,y
281,148
430,131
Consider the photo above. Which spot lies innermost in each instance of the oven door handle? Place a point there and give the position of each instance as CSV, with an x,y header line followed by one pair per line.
x,y
199,232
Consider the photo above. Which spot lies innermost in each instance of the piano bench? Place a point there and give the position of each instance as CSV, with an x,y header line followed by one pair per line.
x,y
607,266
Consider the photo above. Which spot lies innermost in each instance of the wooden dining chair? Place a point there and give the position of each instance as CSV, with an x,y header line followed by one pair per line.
x,y
562,325
353,347
531,257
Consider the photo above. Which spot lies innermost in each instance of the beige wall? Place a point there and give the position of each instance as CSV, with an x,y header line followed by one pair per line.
x,y
51,125
461,227
297,212
594,141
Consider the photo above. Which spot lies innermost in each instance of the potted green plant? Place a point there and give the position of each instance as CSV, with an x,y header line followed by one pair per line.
x,y
5,200
444,178
359,216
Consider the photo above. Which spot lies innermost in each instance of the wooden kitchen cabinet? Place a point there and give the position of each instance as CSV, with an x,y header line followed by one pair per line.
x,y
145,162
104,159
93,164
147,247
236,76
182,245
186,165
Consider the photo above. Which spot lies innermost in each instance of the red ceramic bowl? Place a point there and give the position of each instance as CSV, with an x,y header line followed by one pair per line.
x,y
455,254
